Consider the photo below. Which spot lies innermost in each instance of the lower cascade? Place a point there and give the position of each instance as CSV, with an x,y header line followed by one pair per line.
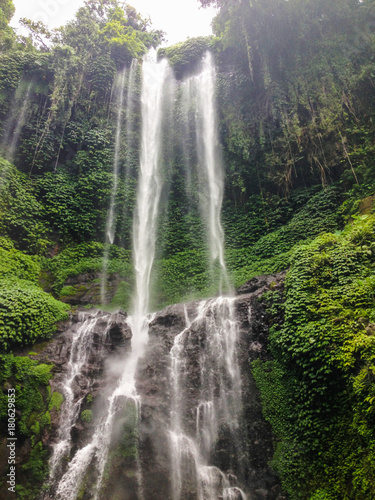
x,y
183,432
217,401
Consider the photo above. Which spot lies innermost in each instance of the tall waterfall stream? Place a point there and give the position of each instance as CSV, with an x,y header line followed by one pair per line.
x,y
192,432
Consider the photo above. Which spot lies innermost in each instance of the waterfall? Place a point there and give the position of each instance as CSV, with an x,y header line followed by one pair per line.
x,y
111,219
205,399
210,158
84,344
81,344
95,455
124,107
149,189
154,76
16,120
218,404
200,90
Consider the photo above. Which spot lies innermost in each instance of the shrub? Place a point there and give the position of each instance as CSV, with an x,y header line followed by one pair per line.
x,y
27,314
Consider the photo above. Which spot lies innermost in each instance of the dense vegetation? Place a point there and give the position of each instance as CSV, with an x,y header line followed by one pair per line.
x,y
296,108
319,394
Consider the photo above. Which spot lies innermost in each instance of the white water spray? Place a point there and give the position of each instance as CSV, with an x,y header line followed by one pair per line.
x,y
82,346
218,405
111,218
149,188
200,89
210,158
154,77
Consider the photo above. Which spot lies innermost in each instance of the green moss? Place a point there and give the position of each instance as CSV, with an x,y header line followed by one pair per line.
x,y
56,401
87,416
35,428
68,291
45,420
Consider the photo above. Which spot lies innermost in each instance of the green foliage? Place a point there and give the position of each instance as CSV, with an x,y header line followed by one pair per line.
x,y
87,257
27,314
56,401
7,10
36,464
32,400
184,274
77,217
86,416
29,379
16,264
185,56
21,214
294,92
318,393
123,296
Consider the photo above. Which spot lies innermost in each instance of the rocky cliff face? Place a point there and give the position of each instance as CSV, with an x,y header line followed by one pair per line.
x,y
153,384
139,461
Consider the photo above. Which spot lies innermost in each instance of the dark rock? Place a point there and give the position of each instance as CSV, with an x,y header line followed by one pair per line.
x,y
258,284
153,386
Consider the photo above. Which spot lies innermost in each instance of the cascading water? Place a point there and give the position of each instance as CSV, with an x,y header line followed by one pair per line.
x,y
111,219
96,453
124,107
210,159
154,77
199,94
149,187
205,412
219,406
82,344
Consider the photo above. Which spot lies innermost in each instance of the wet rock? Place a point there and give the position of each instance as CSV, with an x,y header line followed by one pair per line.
x,y
153,384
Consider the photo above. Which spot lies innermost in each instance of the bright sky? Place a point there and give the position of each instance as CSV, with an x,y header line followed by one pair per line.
x,y
180,19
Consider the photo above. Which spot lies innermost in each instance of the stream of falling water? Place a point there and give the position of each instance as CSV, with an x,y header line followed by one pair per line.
x,y
154,78
111,219
201,90
82,345
220,402
218,406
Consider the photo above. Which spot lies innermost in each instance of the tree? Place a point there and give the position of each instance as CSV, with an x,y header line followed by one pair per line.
x,y
7,10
